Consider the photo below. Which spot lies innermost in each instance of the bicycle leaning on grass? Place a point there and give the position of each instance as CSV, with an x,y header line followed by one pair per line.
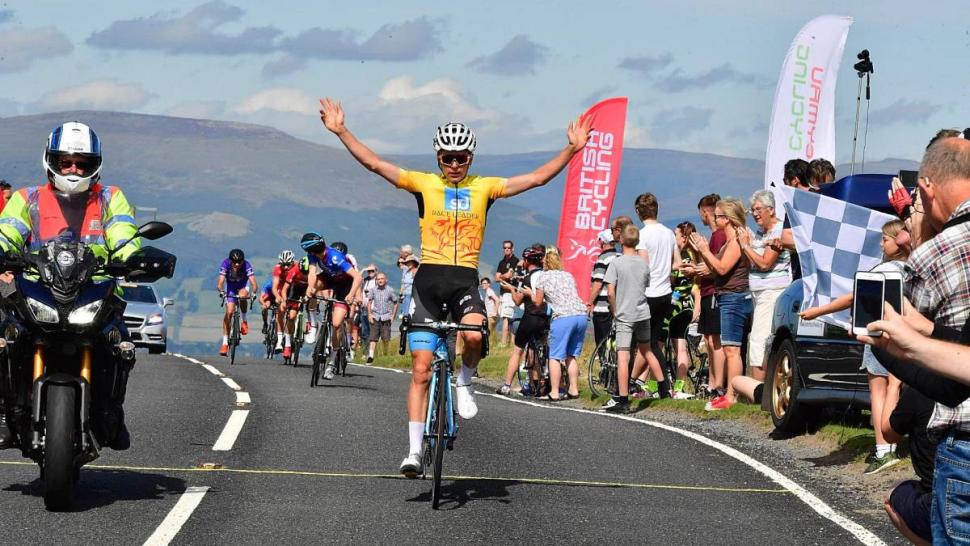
x,y
441,423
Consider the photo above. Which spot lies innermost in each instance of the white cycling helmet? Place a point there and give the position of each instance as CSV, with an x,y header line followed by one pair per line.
x,y
454,137
78,139
286,257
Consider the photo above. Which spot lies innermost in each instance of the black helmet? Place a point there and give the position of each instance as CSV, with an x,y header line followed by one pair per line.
x,y
236,256
339,247
534,253
312,242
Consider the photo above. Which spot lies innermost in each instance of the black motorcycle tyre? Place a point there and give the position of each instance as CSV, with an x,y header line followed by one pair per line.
x,y
59,470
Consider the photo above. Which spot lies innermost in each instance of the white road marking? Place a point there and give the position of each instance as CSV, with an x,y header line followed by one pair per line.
x,y
213,369
864,535
231,431
175,519
237,418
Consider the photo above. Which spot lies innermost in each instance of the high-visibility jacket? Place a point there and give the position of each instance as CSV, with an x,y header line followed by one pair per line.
x,y
33,216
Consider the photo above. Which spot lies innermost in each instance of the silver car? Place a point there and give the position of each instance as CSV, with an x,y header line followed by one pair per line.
x,y
145,316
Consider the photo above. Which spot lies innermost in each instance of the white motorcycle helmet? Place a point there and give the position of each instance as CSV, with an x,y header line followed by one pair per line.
x,y
75,139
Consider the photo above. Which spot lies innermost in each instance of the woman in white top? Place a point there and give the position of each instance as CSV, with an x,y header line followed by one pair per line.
x,y
568,328
769,276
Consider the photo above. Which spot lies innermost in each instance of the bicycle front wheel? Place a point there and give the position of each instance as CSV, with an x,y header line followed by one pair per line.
x,y
234,337
601,370
441,424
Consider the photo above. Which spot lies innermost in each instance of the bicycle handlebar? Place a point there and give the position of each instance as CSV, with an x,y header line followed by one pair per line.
x,y
444,329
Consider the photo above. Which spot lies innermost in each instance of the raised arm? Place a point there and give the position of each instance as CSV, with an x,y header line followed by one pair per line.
x,y
578,133
332,116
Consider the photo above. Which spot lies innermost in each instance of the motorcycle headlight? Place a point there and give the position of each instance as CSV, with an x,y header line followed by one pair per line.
x,y
85,314
43,312
157,318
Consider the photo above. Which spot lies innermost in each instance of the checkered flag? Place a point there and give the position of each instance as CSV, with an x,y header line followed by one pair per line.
x,y
834,240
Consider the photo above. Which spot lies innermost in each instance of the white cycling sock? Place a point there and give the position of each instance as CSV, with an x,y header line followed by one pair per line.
x,y
883,449
279,337
416,437
465,375
225,340
286,340
244,317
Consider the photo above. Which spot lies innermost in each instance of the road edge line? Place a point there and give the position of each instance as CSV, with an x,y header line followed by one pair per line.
x,y
230,432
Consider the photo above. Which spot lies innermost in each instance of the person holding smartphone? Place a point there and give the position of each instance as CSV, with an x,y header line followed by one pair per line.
x,y
894,259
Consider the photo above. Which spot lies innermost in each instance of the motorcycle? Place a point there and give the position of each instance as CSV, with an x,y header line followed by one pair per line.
x,y
65,352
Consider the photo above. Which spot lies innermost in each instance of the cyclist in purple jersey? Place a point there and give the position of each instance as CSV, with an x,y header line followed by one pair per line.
x,y
234,274
330,269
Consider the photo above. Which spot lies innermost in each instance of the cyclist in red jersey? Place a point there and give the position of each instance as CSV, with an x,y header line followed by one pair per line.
x,y
293,290
283,265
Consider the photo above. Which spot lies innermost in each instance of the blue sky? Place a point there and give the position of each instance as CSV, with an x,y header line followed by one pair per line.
x,y
700,74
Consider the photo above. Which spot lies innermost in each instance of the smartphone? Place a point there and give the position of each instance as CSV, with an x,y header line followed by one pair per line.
x,y
909,178
894,290
867,302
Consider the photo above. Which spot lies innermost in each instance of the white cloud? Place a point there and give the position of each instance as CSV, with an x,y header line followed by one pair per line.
x,y
96,95
20,47
279,99
635,136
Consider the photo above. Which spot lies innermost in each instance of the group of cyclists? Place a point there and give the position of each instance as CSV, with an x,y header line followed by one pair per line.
x,y
325,270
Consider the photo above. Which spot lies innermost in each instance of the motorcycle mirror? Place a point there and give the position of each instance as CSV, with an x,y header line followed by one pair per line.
x,y
153,230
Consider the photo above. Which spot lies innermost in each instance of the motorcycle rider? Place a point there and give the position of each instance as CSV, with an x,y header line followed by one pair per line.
x,y
73,204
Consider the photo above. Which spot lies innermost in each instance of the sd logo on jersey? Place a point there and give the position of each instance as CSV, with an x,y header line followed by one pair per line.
x,y
458,199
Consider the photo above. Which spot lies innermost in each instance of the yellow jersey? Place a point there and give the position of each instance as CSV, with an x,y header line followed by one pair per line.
x,y
452,216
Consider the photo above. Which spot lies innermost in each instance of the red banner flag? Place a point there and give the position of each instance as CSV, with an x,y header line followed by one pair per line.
x,y
587,200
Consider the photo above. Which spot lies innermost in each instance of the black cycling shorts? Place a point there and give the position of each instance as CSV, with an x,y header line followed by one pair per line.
x,y
341,288
531,326
440,291
680,323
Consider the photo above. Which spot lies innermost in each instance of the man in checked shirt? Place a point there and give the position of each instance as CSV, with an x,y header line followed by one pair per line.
x,y
938,284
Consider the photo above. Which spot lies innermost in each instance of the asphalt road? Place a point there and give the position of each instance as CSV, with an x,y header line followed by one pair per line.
x,y
320,466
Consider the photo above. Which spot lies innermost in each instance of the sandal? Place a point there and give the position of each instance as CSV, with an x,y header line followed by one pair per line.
x,y
571,396
549,398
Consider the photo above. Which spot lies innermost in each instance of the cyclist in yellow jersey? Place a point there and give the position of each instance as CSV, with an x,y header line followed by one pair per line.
x,y
452,209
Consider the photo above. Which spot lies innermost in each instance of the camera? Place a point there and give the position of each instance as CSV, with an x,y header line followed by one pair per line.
x,y
864,66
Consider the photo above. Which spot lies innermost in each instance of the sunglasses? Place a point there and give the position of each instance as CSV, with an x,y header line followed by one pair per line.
x,y
720,216
451,159
507,247
81,163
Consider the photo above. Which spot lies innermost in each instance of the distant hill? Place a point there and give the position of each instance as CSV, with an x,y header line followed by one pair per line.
x,y
225,185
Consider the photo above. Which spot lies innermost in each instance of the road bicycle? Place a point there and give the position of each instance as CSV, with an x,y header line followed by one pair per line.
x,y
235,335
269,340
299,334
696,378
441,423
602,367
533,373
322,349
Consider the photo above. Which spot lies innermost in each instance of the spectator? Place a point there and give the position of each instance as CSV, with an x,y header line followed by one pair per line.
x,y
5,192
686,306
797,174
492,302
894,258
908,504
820,172
769,276
568,328
503,274
598,306
410,263
381,308
407,278
938,284
367,285
627,279
730,267
534,322
658,247
709,320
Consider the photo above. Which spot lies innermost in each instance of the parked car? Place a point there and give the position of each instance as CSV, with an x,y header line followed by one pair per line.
x,y
812,364
145,316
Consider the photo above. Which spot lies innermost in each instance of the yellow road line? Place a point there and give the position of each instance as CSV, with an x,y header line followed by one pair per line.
x,y
537,481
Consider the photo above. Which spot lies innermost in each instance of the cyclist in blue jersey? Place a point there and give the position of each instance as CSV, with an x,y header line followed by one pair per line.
x,y
330,269
234,274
